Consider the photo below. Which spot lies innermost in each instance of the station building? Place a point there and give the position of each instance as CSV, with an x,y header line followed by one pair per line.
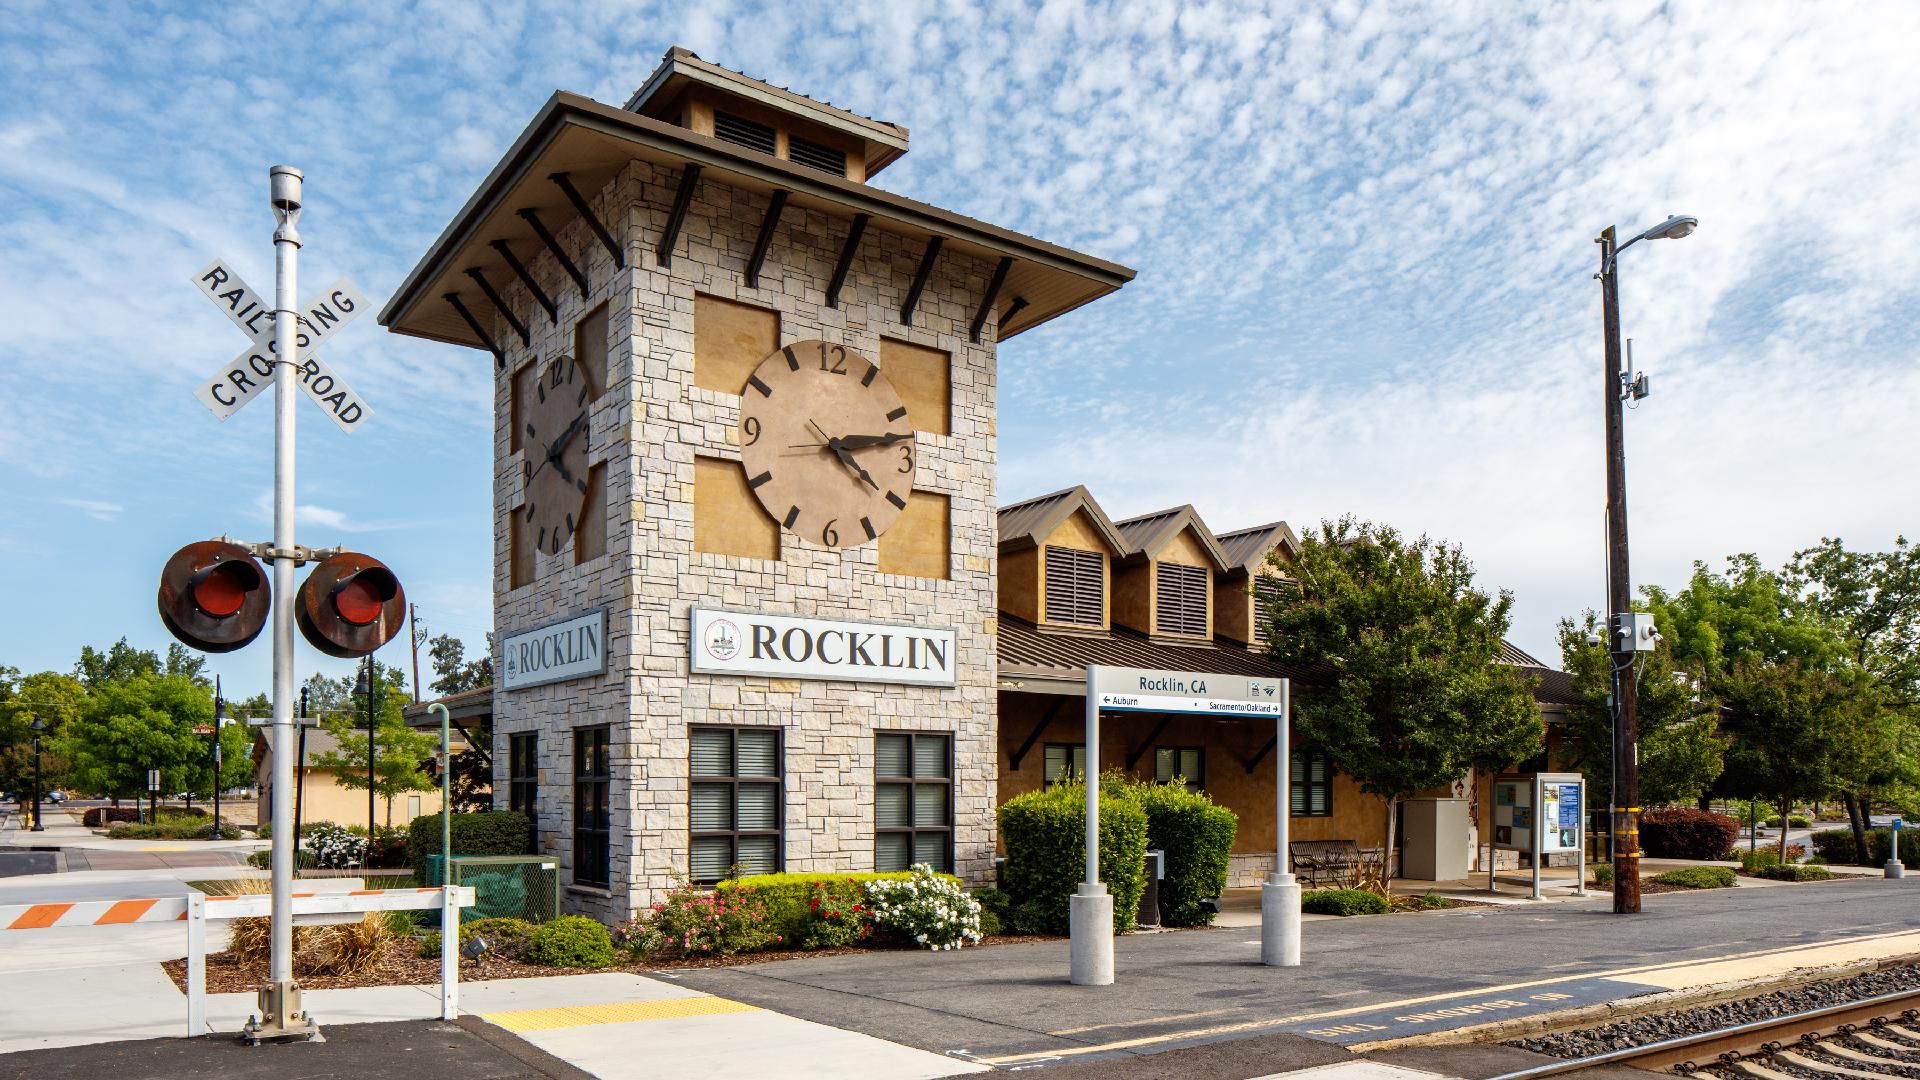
x,y
756,602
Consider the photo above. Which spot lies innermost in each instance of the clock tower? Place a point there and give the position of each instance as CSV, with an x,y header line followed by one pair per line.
x,y
744,493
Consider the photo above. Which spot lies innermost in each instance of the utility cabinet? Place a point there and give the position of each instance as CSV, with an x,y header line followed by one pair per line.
x,y
1438,844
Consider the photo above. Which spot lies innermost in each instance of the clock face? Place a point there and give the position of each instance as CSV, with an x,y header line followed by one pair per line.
x,y
553,468
827,446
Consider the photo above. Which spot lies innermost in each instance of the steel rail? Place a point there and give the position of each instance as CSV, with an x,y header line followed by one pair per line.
x,y
1669,1048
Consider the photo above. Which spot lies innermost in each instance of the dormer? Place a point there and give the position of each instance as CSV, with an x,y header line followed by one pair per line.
x,y
1056,562
1244,591
710,100
1163,586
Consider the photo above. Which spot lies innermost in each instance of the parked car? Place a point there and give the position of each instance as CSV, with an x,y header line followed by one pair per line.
x,y
56,795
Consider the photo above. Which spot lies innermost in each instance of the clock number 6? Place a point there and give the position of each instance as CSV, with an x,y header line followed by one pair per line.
x,y
751,428
839,361
828,536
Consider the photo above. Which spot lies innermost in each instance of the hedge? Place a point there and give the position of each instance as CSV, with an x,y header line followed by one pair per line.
x,y
1197,835
1795,872
491,832
789,897
570,941
1343,902
1836,846
1045,837
1699,877
1683,832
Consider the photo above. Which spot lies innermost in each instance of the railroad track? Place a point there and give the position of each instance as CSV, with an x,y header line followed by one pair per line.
x,y
1870,1039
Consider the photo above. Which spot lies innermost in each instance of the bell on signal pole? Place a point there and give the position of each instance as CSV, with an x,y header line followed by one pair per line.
x,y
214,596
350,605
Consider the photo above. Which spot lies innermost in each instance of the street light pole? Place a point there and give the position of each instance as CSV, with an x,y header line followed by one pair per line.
x,y
219,719
39,726
1622,645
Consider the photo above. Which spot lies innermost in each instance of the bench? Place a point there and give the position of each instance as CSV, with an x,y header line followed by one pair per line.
x,y
1326,862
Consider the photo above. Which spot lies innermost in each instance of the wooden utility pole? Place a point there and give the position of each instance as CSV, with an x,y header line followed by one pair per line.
x,y
1620,647
413,638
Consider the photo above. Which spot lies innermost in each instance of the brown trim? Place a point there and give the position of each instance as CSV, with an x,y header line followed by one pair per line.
x,y
1039,729
689,179
845,262
993,293
768,224
1134,755
927,257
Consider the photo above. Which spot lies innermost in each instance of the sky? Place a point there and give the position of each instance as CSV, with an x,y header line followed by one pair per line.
x,y
1364,236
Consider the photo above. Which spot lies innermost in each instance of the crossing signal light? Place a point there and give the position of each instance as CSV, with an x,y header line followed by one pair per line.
x,y
214,596
350,605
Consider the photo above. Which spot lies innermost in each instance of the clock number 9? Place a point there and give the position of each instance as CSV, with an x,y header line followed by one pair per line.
x,y
828,536
750,427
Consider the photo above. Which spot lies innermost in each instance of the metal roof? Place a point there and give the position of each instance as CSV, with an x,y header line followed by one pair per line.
x,y
1056,663
1246,549
1148,533
1024,524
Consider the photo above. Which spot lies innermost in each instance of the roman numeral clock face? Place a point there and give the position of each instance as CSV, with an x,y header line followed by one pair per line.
x,y
826,444
553,468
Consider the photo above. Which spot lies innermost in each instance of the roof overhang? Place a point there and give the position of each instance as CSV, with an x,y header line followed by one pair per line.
x,y
1073,500
1186,517
593,142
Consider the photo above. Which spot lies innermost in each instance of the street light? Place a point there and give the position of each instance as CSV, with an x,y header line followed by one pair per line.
x,y
366,686
1622,646
38,726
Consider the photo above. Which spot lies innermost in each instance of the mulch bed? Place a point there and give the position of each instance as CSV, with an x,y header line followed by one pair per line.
x,y
401,965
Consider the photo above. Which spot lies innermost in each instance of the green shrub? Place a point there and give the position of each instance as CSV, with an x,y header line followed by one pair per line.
x,y
1699,877
1343,902
996,910
1799,821
1045,837
1795,872
506,938
694,922
839,916
1602,873
788,898
1836,846
570,941
1430,901
1757,858
990,924
173,823
490,832
1682,832
1197,835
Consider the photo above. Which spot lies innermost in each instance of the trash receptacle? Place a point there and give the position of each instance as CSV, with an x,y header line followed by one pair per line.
x,y
1149,914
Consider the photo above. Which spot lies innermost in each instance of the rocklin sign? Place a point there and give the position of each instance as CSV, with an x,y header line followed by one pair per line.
x,y
565,650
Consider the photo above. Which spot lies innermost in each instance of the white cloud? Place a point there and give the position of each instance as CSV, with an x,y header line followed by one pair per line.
x,y
97,509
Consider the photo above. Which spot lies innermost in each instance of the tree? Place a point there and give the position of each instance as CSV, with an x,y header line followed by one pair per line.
x,y
1791,718
122,662
1681,750
1414,695
122,729
1873,598
452,672
399,751
46,696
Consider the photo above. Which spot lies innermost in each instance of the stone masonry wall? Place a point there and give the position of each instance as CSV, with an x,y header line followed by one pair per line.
x,y
648,427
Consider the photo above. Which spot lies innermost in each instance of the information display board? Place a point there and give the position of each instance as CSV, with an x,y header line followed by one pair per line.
x,y
1541,814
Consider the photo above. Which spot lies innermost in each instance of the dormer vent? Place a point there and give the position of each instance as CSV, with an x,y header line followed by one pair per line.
x,y
815,155
744,132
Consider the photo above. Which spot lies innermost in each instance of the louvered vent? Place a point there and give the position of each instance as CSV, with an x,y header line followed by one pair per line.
x,y
813,155
1075,582
1266,600
746,133
1181,595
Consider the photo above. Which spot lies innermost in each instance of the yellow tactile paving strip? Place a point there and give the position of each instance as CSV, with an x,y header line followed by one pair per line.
x,y
1709,972
618,1012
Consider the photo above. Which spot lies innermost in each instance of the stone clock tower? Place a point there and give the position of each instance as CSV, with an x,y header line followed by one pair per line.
x,y
744,494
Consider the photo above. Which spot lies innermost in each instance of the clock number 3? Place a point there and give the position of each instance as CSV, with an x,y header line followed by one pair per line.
x,y
839,360
906,458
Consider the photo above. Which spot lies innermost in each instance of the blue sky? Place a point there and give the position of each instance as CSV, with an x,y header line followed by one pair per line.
x,y
1364,236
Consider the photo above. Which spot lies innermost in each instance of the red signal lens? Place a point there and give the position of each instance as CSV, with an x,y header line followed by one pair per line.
x,y
220,590
358,601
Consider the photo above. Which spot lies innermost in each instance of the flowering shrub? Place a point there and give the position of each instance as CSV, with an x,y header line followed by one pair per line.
x,y
690,922
840,917
929,909
332,846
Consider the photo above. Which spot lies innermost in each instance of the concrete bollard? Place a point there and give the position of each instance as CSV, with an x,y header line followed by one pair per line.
x,y
1280,921
1895,868
1090,918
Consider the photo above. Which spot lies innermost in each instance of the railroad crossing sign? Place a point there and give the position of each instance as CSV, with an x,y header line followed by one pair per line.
x,y
229,389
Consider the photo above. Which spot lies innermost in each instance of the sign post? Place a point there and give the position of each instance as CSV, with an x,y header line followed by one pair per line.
x,y
1895,868
1280,893
1118,689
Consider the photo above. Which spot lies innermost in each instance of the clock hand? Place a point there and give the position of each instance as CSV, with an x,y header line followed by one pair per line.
x,y
846,458
861,442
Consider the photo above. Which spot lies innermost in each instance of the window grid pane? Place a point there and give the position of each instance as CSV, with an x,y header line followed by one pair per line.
x,y
913,800
1311,785
735,813
592,806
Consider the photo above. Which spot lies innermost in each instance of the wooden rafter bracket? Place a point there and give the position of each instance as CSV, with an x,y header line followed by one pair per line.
x,y
565,184
539,227
769,224
1039,729
847,251
499,357
993,293
920,276
1261,754
689,179
500,305
520,271
1134,755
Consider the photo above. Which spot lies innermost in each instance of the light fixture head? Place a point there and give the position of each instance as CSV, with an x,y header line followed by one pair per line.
x,y
39,725
360,682
1674,227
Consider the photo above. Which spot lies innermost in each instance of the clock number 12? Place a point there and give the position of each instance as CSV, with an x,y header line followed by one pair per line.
x,y
839,360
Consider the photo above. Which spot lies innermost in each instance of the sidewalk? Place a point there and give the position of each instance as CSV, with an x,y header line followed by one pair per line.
x,y
83,849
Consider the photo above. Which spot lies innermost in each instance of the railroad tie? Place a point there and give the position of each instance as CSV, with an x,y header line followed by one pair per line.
x,y
1791,1058
1871,1039
1904,1032
1764,1073
1841,1050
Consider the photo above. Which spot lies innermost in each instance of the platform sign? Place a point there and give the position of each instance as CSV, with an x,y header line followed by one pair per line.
x,y
1163,691
236,383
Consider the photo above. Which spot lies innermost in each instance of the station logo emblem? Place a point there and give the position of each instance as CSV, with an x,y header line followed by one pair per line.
x,y
722,640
